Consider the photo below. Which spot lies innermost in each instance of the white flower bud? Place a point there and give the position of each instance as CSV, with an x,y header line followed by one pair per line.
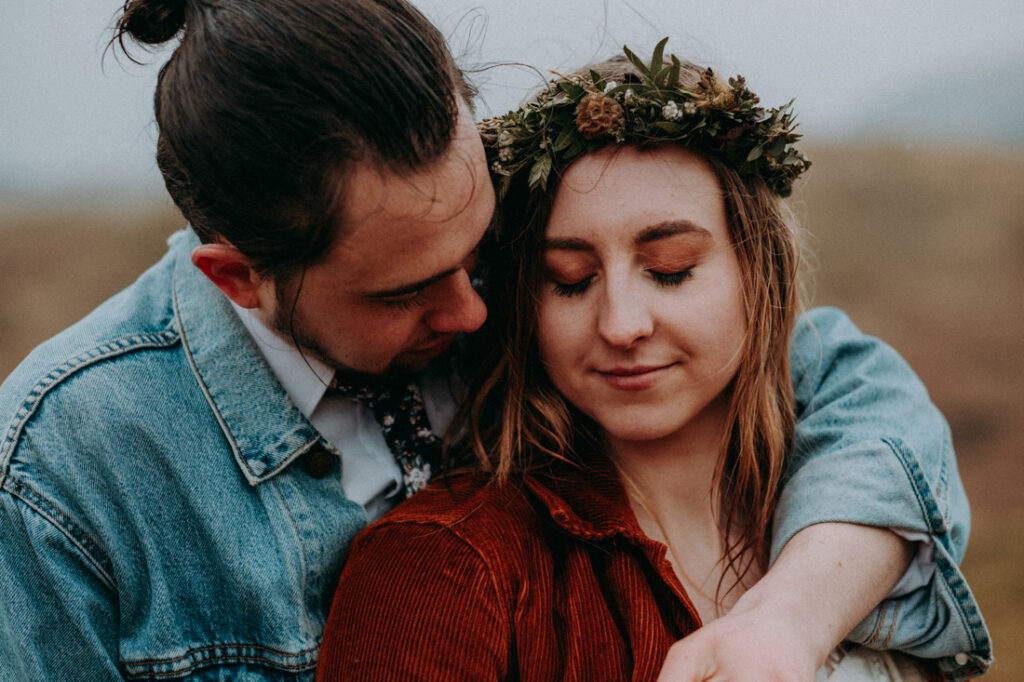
x,y
671,112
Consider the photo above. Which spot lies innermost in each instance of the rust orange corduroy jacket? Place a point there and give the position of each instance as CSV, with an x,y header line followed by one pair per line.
x,y
547,578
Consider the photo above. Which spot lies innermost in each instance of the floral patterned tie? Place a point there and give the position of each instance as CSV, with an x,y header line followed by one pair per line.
x,y
398,408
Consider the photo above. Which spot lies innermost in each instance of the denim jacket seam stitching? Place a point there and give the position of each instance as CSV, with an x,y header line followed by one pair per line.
x,y
58,374
892,626
941,486
50,513
201,651
883,610
970,618
236,449
302,544
315,438
923,492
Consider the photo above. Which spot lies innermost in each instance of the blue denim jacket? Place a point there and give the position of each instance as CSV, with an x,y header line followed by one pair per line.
x,y
166,512
869,449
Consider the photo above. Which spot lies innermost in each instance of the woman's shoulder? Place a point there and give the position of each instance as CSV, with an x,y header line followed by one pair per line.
x,y
497,526
469,507
444,567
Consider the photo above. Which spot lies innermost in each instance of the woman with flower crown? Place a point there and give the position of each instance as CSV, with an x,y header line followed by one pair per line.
x,y
633,416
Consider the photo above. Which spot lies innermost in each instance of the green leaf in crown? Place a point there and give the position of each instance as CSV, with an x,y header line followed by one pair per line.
x,y
584,112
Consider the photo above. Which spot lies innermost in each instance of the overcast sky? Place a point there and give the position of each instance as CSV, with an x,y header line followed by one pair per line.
x,y
71,119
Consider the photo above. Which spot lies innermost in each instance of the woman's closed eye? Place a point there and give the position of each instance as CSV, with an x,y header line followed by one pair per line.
x,y
671,279
569,289
580,286
569,272
672,263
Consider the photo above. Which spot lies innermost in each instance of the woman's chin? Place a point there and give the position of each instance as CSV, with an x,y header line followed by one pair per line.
x,y
635,430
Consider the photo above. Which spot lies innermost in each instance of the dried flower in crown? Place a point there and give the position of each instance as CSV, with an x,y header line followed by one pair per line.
x,y
581,114
597,116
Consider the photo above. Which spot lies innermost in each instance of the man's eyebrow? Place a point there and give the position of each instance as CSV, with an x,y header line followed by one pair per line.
x,y
670,228
567,244
406,289
412,288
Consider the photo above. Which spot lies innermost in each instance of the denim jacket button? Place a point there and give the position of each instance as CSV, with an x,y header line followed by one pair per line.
x,y
317,462
961,658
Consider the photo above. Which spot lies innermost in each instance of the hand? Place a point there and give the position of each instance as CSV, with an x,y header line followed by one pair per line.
x,y
741,647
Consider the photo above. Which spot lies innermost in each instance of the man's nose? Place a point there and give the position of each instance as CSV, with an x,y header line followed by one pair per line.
x,y
458,307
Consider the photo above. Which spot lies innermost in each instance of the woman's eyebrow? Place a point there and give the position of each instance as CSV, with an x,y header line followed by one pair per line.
x,y
662,230
670,228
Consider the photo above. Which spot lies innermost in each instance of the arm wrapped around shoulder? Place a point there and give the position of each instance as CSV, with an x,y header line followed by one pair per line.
x,y
870,448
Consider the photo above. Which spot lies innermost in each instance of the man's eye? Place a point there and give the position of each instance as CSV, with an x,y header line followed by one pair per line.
x,y
573,289
406,301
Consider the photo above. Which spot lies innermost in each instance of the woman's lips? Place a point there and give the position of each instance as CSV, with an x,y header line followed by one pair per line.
x,y
636,378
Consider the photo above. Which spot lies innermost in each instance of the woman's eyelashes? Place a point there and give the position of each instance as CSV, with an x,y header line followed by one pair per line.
x,y
572,289
580,286
671,279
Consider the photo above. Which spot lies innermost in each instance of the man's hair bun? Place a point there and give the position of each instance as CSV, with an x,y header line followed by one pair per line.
x,y
151,22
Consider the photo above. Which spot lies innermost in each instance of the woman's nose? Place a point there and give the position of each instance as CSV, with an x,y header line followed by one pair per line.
x,y
624,317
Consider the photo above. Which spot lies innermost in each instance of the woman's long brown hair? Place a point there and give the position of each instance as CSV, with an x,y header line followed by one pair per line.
x,y
517,421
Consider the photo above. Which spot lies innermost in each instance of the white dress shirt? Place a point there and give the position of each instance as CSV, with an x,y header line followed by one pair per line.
x,y
369,472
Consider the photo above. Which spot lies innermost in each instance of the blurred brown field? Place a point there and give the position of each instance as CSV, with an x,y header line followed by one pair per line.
x,y
923,248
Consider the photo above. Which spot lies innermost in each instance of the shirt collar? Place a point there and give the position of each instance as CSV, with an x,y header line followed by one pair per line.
x,y
303,377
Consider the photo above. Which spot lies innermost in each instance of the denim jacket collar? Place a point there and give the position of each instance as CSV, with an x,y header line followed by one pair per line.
x,y
264,429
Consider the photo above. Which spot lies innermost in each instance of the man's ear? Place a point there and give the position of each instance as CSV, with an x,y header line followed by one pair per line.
x,y
230,270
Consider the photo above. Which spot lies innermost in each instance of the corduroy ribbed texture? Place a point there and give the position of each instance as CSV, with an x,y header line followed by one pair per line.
x,y
547,578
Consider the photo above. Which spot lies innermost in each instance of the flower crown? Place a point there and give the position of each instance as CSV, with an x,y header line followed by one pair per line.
x,y
580,114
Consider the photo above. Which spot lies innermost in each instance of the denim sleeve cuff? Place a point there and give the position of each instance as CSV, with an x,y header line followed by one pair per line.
x,y
879,483
939,621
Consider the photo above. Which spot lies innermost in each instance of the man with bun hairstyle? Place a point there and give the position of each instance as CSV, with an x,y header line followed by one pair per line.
x,y
182,471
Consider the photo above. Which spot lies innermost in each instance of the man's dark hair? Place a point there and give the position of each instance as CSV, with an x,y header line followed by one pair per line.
x,y
264,103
